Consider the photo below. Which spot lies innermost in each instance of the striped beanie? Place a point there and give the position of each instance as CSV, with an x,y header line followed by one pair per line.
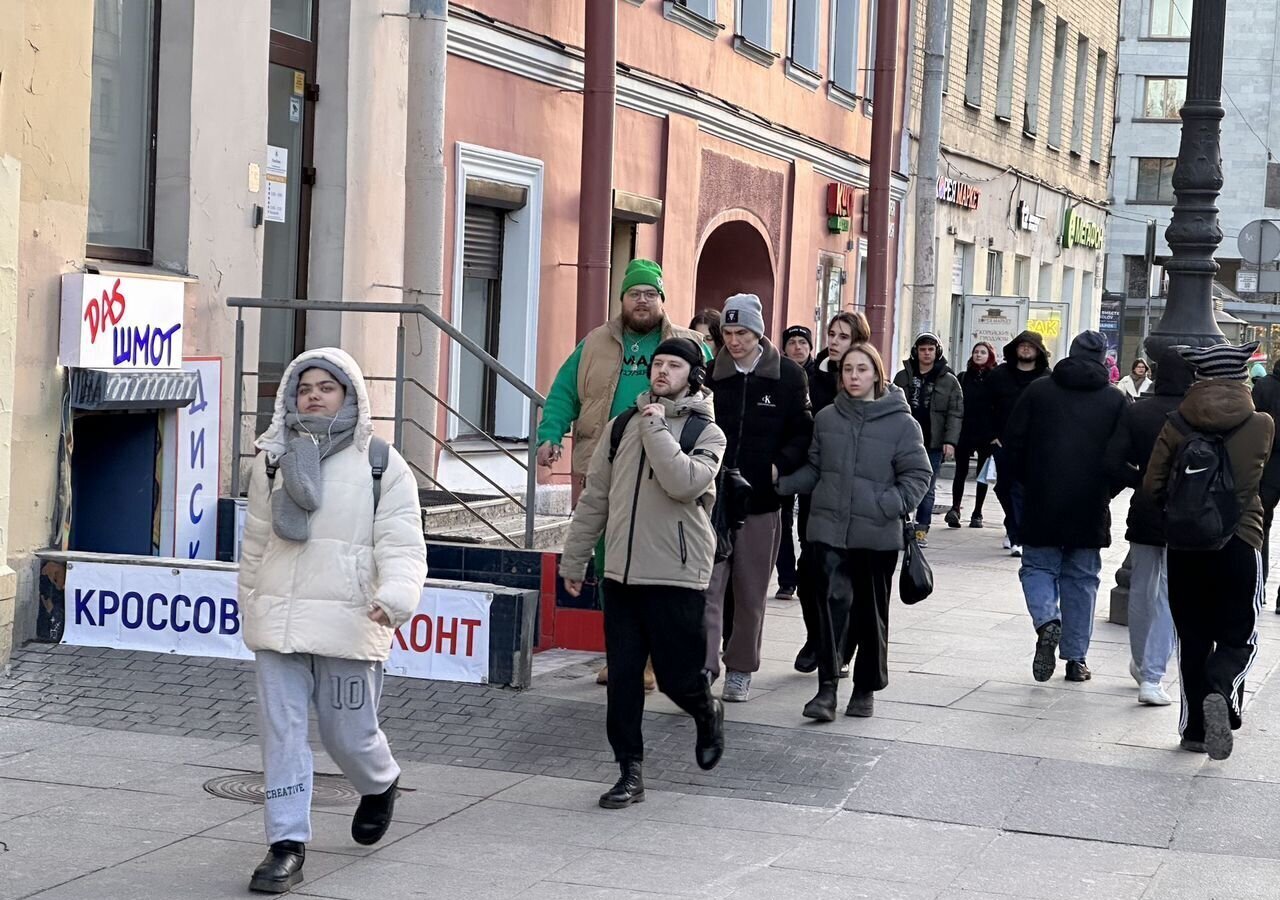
x,y
1223,361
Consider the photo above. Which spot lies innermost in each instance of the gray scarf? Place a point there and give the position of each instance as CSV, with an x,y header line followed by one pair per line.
x,y
313,438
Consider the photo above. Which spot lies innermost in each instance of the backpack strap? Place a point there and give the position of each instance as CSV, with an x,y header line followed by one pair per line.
x,y
1179,422
379,456
273,466
692,430
616,430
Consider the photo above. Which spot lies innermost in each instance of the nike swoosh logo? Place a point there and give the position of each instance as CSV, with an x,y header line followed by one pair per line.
x,y
1191,471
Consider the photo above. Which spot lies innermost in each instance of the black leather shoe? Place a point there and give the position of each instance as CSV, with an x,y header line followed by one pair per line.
x,y
1045,661
280,870
710,745
373,816
807,659
861,705
823,705
1078,670
628,790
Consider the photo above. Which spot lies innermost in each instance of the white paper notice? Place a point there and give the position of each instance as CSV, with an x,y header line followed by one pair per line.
x,y
278,161
277,195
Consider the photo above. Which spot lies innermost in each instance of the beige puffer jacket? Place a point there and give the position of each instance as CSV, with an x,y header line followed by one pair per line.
x,y
315,597
653,502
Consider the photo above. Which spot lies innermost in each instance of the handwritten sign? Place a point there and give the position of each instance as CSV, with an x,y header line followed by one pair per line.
x,y
195,533
109,322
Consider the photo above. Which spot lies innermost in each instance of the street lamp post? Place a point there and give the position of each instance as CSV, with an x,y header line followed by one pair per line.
x,y
1194,233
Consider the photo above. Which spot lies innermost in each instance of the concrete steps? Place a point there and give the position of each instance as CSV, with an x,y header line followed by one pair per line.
x,y
445,520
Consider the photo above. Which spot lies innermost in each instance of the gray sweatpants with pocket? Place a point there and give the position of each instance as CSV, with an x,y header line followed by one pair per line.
x,y
345,695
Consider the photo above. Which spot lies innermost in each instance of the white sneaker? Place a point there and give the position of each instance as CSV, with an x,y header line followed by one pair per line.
x,y
737,687
1015,550
1152,694
1135,673
1006,544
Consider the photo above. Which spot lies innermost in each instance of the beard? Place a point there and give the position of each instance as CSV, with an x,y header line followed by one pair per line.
x,y
642,323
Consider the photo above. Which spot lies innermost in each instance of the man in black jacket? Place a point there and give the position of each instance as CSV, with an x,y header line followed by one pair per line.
x,y
1266,399
1151,634
1055,443
1025,360
762,405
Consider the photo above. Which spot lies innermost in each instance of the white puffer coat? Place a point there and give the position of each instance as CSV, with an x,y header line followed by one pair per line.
x,y
315,597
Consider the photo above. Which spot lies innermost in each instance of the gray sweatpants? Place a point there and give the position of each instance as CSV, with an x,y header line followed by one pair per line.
x,y
345,694
755,550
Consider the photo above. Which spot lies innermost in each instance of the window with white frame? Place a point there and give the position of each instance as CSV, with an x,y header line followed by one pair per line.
x,y
753,21
1153,181
845,15
946,52
871,50
1163,98
1044,284
1022,276
1058,85
1008,51
704,8
1035,59
1170,19
1099,106
804,33
995,272
976,60
1077,105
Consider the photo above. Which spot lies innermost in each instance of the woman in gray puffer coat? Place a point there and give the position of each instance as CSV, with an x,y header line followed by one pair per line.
x,y
867,470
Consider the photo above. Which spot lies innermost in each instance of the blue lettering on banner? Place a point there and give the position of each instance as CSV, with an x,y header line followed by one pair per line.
x,y
148,345
158,612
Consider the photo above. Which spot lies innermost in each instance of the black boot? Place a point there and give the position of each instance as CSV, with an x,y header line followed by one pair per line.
x,y
629,788
710,745
280,870
823,705
807,659
861,705
373,816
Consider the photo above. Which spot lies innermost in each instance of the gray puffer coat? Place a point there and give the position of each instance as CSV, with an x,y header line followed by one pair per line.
x,y
867,469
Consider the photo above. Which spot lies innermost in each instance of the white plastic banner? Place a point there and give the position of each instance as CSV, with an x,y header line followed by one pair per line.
x,y
195,612
199,427
111,322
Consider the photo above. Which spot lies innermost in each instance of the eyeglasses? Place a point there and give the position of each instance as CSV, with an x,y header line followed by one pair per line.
x,y
650,296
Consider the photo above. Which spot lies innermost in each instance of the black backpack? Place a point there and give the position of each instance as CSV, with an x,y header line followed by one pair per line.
x,y
1202,510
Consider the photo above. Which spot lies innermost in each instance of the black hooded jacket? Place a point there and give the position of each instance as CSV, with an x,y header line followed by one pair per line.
x,y
1056,440
824,382
1266,399
1131,445
1006,382
978,428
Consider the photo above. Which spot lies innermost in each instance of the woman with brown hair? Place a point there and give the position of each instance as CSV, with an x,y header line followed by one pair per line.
x,y
977,431
867,470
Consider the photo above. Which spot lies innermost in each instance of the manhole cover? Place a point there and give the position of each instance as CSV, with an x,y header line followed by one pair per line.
x,y
326,790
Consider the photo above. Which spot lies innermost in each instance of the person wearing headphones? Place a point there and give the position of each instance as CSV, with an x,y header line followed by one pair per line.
x,y
650,491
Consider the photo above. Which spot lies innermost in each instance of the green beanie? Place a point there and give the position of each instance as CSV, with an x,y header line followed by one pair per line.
x,y
643,272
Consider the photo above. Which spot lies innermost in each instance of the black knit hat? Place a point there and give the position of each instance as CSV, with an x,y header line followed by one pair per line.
x,y
1222,361
798,331
684,349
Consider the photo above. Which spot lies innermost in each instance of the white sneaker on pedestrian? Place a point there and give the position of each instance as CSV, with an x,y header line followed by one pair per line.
x,y
1152,694
737,687
1016,550
1134,672
1006,543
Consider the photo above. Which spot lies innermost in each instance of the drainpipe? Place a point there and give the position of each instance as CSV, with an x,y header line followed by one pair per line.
x,y
595,205
424,206
879,302
925,278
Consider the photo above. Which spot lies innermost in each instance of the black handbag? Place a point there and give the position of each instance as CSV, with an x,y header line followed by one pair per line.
x,y
733,493
915,582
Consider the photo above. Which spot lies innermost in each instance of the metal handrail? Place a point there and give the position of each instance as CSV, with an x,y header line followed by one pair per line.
x,y
464,503
536,400
409,379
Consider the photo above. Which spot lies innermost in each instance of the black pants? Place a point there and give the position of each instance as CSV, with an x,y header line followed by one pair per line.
x,y
963,453
1009,493
855,618
665,623
1270,497
786,564
811,581
1214,597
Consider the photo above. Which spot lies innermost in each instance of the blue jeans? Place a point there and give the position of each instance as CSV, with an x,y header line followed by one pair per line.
x,y
1069,575
924,514
1009,493
1151,634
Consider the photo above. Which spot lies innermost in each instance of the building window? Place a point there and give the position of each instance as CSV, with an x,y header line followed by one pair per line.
x,y
871,50
844,44
1035,56
804,34
1170,19
946,53
1077,105
1163,98
1068,294
1058,85
1044,286
1008,50
753,22
1154,183
704,8
976,60
1099,106
292,17
481,314
122,131
995,272
1022,276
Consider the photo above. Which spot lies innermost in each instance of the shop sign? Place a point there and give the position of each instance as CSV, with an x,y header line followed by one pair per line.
x,y
1077,231
839,207
1027,220
957,193
195,612
195,534
132,324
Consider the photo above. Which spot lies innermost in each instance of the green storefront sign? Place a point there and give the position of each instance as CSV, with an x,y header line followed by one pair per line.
x,y
1079,232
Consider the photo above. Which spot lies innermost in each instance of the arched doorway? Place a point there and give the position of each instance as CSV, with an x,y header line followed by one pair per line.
x,y
735,260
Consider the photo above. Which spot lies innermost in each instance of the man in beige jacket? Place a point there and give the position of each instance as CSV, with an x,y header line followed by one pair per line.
x,y
650,490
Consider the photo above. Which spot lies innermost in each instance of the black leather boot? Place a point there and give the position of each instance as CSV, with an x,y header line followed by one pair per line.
x,y
710,746
823,705
807,659
373,816
280,870
629,788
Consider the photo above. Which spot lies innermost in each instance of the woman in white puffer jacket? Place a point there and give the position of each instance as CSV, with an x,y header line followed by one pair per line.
x,y
325,578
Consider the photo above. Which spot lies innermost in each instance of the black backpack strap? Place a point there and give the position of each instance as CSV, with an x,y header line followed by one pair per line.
x,y
693,429
379,456
273,466
616,430
1180,423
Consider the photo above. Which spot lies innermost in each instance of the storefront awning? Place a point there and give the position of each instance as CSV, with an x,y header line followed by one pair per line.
x,y
102,390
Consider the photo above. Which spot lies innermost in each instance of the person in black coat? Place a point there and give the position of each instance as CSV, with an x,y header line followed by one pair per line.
x,y
977,431
1025,360
1055,443
1151,634
1266,399
797,346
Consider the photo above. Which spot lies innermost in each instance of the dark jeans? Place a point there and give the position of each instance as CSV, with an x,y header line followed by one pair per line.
x,y
1009,493
1270,497
787,546
963,453
665,623
1214,597
858,587
924,514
